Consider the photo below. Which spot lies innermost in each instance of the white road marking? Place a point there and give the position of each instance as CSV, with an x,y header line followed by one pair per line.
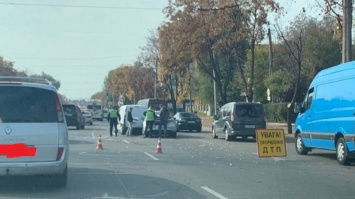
x,y
278,159
126,141
204,142
213,193
106,196
151,156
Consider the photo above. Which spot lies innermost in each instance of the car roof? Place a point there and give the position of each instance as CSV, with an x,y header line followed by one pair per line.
x,y
27,84
27,81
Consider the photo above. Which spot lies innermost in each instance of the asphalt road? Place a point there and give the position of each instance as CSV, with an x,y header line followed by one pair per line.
x,y
191,166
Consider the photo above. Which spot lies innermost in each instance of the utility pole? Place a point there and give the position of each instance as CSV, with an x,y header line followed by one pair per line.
x,y
270,50
270,61
347,25
155,78
214,92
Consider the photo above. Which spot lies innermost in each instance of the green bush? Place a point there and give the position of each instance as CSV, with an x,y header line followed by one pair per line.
x,y
277,112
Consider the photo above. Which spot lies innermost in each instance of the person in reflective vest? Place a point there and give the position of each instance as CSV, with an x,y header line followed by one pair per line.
x,y
149,120
113,117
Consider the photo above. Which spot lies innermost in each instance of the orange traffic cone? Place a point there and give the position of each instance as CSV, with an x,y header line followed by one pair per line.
x,y
159,150
99,144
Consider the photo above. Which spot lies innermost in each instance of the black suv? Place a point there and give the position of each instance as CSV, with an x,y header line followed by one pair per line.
x,y
73,116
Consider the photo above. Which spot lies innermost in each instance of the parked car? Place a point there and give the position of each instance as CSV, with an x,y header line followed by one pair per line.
x,y
73,116
32,119
138,118
171,127
188,121
238,119
87,116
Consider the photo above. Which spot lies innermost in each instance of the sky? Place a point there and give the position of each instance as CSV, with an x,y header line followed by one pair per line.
x,y
79,41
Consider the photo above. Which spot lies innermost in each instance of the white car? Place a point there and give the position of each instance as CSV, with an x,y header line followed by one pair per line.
x,y
88,116
33,129
171,127
138,118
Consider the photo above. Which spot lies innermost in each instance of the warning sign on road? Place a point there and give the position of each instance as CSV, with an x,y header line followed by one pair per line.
x,y
271,142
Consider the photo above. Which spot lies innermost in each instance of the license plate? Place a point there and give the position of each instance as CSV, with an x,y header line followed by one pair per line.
x,y
249,126
190,121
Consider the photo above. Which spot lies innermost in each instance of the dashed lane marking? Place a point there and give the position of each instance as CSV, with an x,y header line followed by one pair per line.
x,y
151,156
220,196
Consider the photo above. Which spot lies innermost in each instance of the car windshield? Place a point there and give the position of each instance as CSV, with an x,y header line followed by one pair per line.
x,y
260,95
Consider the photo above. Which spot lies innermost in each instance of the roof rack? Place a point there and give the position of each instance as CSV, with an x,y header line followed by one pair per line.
x,y
25,79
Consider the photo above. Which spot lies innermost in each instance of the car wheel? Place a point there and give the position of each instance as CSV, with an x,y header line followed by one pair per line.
x,y
78,127
214,135
300,148
83,126
61,179
198,130
342,152
173,135
244,138
226,135
90,123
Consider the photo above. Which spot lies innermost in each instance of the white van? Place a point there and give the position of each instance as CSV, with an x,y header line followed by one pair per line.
x,y
33,130
138,118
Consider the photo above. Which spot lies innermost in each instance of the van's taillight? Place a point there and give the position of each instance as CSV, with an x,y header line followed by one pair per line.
x,y
60,153
58,107
232,117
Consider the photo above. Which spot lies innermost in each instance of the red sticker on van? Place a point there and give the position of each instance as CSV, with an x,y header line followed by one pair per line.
x,y
17,150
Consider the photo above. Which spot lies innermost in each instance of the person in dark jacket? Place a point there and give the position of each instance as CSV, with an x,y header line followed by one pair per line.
x,y
164,117
113,117
130,122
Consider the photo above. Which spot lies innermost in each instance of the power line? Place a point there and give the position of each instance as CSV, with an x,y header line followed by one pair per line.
x,y
76,6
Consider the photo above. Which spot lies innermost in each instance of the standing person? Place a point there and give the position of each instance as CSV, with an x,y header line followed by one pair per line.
x,y
149,119
164,117
112,117
130,120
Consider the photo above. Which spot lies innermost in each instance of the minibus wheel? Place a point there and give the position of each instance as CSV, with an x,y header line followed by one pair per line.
x,y
214,135
300,148
342,152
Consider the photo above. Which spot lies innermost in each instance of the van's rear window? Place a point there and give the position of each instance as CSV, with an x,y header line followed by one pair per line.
x,y
27,105
249,110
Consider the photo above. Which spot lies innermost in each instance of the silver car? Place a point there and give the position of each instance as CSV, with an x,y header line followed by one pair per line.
x,y
87,116
33,130
171,126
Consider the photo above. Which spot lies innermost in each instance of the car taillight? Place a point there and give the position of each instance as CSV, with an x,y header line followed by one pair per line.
x,y
60,153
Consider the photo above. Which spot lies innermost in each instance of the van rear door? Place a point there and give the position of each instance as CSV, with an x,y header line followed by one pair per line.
x,y
249,116
29,120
